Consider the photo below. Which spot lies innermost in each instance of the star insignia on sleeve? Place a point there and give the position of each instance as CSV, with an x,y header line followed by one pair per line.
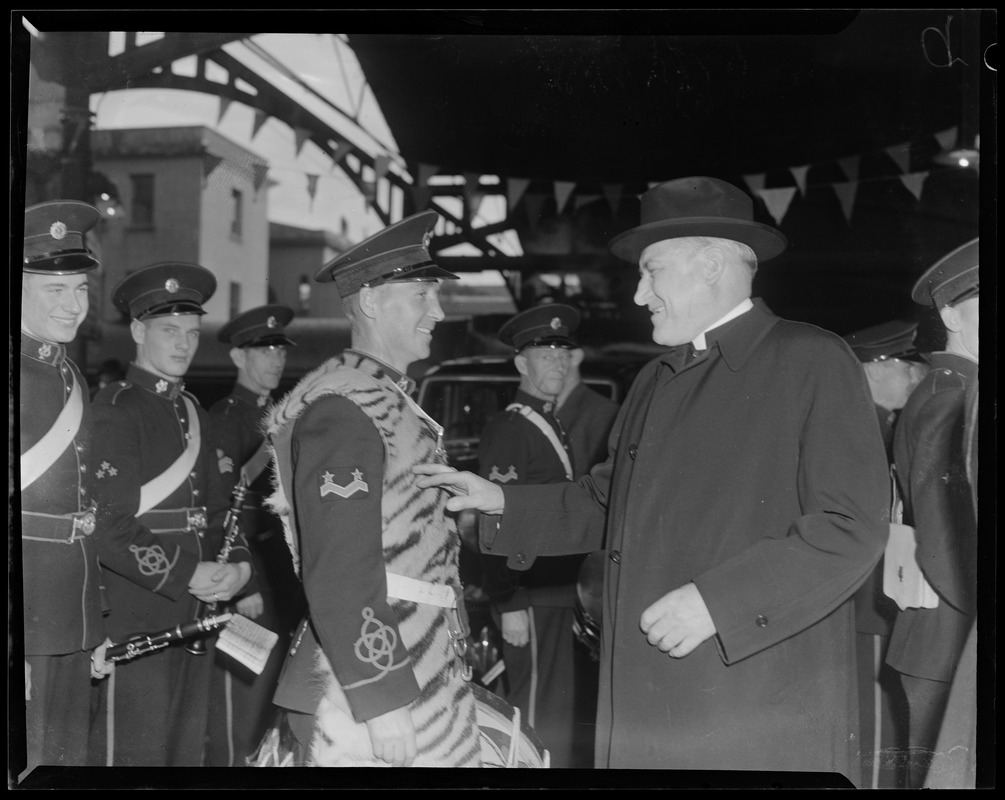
x,y
106,469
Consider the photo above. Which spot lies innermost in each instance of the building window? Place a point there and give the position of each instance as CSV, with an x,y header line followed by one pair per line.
x,y
142,212
237,207
235,299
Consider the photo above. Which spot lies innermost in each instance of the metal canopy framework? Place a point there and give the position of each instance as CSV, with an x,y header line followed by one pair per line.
x,y
623,101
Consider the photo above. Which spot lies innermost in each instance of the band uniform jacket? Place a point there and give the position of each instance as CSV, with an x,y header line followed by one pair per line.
x,y
587,417
514,451
142,425
236,437
931,460
757,472
62,581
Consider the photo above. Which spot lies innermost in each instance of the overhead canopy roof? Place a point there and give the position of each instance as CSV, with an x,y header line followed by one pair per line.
x,y
641,97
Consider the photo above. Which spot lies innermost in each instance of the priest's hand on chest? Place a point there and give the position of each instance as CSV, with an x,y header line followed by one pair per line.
x,y
678,622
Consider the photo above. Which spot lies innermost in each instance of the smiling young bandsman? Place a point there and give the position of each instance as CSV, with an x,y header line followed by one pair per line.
x,y
61,577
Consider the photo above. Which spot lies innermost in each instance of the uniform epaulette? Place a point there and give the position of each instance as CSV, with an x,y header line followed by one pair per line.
x,y
945,380
118,388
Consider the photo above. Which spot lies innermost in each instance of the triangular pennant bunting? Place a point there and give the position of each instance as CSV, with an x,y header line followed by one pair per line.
x,y
799,174
846,195
947,138
312,187
562,191
584,199
900,154
426,171
515,187
341,150
612,191
533,203
302,135
224,105
849,166
777,201
754,182
260,117
914,182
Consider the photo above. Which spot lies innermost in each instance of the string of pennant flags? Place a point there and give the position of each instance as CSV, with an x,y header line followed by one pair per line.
x,y
777,200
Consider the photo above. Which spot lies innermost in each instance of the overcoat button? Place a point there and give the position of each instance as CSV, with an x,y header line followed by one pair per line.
x,y
762,621
616,556
633,451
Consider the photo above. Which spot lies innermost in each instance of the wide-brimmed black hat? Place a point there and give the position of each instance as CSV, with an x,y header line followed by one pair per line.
x,y
954,277
258,327
400,252
162,289
548,325
893,339
55,237
698,207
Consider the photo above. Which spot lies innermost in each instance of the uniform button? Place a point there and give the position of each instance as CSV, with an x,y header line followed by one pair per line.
x,y
616,556
762,621
521,558
633,451
188,435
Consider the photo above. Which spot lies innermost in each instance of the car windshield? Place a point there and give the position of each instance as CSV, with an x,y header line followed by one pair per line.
x,y
464,405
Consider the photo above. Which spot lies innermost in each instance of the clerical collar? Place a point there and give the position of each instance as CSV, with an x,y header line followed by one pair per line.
x,y
162,387
52,353
745,306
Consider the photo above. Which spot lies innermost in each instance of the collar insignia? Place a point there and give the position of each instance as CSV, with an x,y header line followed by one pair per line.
x,y
45,350
162,386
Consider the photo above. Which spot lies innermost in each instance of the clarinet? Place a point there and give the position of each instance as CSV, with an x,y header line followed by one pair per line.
x,y
148,642
197,646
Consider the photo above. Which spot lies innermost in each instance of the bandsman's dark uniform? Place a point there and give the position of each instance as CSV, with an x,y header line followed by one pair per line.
x,y
241,702
931,461
60,571
526,444
161,509
882,711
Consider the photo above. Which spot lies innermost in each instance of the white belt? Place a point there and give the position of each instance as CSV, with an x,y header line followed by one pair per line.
x,y
416,591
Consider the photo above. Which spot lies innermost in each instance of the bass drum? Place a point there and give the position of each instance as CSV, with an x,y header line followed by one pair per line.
x,y
590,603
507,742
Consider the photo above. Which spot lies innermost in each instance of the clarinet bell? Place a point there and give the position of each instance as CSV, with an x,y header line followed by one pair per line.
x,y
197,647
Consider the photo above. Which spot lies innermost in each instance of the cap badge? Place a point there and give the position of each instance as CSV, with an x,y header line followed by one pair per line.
x,y
427,237
556,323
57,230
161,386
171,284
270,322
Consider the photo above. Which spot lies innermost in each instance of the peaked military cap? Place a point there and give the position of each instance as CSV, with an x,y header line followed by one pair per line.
x,y
162,289
548,325
400,252
954,277
258,327
893,339
698,207
54,237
